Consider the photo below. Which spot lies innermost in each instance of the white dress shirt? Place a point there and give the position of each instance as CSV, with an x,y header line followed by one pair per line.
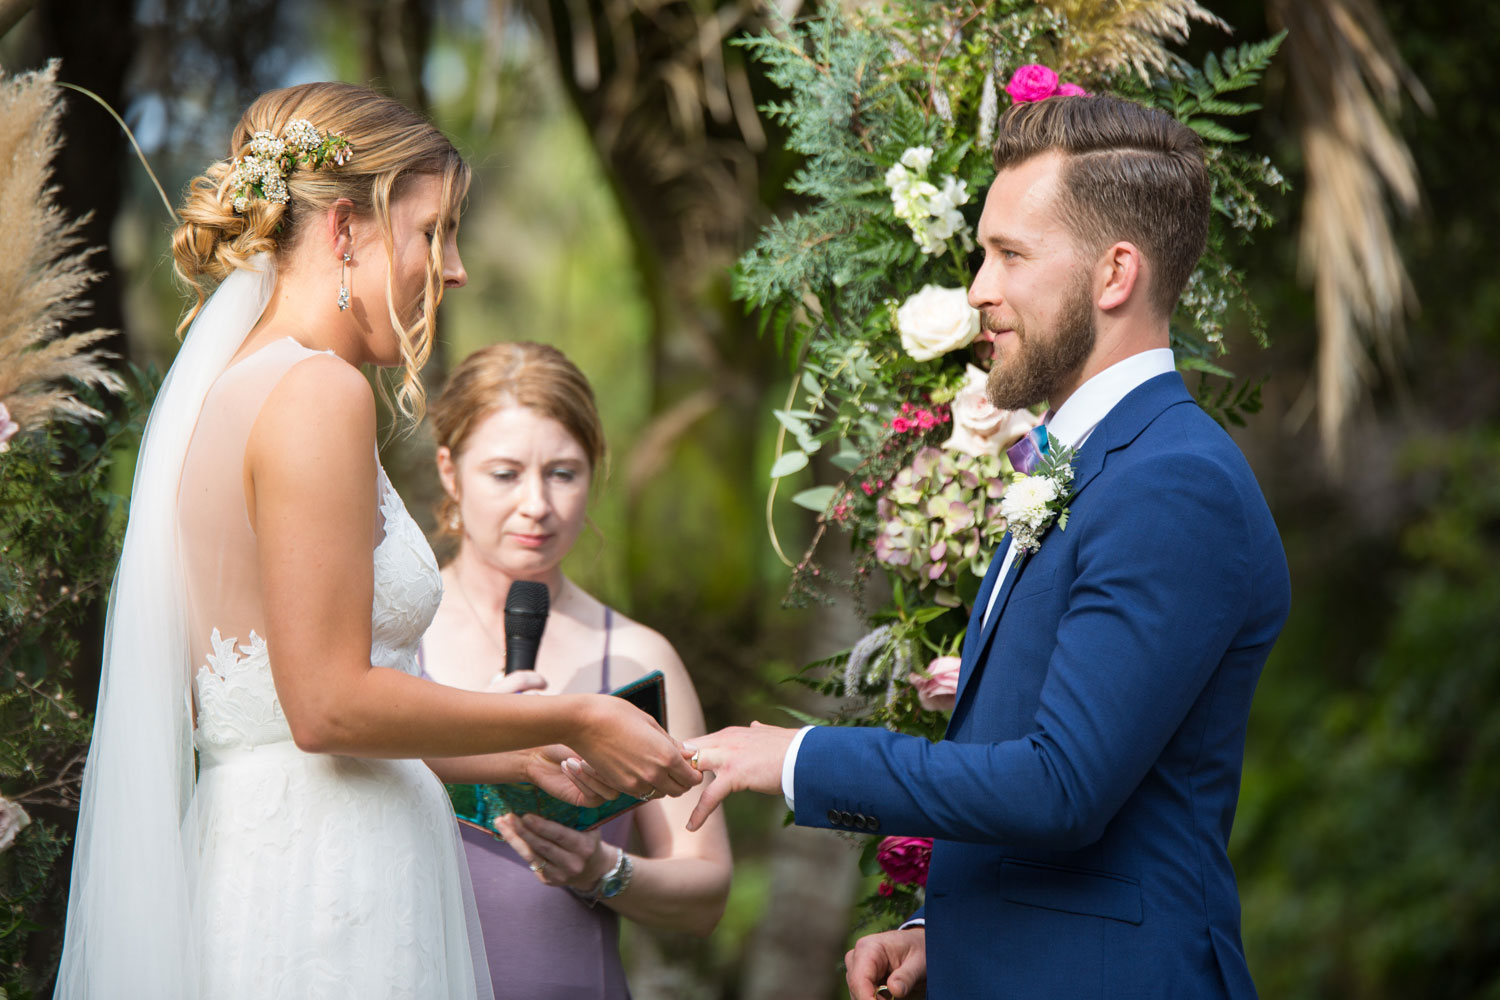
x,y
1069,427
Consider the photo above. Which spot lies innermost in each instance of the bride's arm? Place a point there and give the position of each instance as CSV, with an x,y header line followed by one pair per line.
x,y
311,469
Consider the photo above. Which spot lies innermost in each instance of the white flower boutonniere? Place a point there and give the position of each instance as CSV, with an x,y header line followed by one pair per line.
x,y
1031,503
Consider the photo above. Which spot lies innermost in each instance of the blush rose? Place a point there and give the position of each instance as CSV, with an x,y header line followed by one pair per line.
x,y
937,689
978,427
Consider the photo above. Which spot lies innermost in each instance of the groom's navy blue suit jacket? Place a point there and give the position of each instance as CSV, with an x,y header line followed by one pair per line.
x,y
1082,798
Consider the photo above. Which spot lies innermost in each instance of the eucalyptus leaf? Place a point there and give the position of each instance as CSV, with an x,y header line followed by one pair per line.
x,y
815,499
792,461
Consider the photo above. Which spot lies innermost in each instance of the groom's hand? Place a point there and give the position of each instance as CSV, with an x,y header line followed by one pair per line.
x,y
895,959
739,758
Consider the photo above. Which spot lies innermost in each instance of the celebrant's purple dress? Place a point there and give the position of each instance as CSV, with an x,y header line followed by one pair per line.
x,y
544,943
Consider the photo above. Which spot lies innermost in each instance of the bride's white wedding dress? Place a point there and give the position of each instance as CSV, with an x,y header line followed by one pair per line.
x,y
317,876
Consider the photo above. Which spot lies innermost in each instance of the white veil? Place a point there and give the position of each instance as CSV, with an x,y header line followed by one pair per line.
x,y
129,926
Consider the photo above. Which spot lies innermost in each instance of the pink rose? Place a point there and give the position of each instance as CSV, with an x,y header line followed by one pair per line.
x,y
8,428
979,428
1033,82
937,689
905,859
1071,90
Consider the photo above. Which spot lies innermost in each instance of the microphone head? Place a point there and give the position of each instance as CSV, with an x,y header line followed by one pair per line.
x,y
526,606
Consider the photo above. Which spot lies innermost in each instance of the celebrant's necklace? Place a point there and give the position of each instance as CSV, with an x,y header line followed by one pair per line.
x,y
464,593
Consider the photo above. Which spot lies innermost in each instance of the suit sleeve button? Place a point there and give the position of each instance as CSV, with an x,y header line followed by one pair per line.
x,y
833,816
847,819
874,823
861,821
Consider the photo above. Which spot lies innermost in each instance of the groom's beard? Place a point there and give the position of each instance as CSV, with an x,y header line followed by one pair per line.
x,y
1042,361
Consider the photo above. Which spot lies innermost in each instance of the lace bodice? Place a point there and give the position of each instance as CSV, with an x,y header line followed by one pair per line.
x,y
237,703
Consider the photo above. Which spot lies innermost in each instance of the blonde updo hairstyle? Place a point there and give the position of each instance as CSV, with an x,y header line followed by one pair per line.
x,y
526,374
391,145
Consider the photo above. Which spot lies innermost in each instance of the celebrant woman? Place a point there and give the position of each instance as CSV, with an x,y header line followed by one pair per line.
x,y
520,446
270,597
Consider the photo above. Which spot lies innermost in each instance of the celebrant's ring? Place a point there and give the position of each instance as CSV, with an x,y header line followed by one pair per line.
x,y
694,761
537,867
649,795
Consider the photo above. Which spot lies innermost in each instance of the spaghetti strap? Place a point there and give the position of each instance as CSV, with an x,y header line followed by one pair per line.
x,y
604,687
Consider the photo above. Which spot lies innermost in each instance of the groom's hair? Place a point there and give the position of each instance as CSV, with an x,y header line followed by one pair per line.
x,y
1129,173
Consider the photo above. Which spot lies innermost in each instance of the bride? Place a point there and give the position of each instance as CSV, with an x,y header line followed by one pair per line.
x,y
271,595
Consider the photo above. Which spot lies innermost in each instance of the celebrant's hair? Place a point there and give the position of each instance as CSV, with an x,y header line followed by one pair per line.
x,y
1129,173
390,145
527,374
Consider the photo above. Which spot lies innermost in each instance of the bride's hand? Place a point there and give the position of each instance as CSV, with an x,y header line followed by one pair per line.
x,y
627,750
555,770
516,683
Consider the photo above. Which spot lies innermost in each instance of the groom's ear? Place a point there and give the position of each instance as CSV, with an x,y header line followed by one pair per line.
x,y
1121,273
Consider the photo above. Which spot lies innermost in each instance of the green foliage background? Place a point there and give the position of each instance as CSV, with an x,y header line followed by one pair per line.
x,y
1366,846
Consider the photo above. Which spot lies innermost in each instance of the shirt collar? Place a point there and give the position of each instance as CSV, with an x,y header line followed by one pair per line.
x,y
1075,420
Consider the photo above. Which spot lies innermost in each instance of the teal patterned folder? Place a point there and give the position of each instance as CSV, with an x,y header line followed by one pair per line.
x,y
481,805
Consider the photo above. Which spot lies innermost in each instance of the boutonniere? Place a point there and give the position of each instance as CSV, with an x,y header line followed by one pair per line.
x,y
1031,503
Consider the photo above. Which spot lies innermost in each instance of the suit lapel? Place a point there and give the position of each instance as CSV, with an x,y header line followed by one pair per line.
x,y
1120,426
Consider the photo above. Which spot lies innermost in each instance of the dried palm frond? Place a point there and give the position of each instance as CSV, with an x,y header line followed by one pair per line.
x,y
1346,79
1106,36
43,273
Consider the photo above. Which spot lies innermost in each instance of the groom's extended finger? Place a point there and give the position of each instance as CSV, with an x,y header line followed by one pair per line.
x,y
715,790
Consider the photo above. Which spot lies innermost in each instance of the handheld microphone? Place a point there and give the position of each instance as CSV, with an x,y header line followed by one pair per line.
x,y
526,607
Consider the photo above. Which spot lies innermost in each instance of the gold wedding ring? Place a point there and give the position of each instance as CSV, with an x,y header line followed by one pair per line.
x,y
649,795
537,867
694,761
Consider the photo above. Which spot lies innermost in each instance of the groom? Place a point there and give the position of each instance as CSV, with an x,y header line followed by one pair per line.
x,y
1082,799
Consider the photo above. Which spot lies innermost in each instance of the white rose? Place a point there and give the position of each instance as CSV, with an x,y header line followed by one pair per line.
x,y
1025,501
935,321
917,158
979,428
13,820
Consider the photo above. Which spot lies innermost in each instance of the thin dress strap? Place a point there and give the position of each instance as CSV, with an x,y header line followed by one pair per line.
x,y
604,687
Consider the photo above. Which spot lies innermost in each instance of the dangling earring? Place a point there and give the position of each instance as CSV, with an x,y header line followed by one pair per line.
x,y
455,521
344,284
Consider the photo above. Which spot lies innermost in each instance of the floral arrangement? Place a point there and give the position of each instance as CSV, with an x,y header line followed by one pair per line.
x,y
865,292
262,172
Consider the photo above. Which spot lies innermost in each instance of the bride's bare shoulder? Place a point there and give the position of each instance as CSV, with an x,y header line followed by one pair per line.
x,y
320,416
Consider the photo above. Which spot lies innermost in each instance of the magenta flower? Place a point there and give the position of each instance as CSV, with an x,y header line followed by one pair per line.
x,y
1033,82
1071,90
905,859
